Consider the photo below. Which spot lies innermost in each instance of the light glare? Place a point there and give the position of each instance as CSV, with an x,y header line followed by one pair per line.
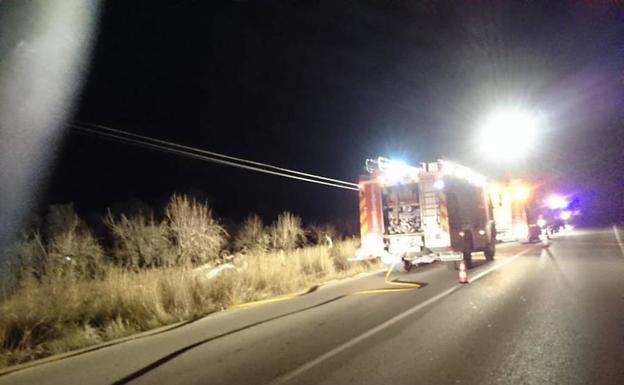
x,y
509,134
46,49
520,193
395,170
555,202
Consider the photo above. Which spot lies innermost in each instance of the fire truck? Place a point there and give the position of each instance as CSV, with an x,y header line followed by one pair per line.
x,y
437,211
509,202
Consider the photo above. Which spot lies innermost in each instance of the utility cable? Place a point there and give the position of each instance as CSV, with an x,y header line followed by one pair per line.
x,y
188,152
212,153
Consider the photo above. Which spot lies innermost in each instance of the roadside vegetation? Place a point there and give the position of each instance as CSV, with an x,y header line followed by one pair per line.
x,y
71,289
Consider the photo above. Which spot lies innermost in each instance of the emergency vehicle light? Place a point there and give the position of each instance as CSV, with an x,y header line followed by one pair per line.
x,y
555,201
462,172
520,192
392,171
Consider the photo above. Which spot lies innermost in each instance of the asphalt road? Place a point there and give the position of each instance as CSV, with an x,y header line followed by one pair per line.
x,y
534,316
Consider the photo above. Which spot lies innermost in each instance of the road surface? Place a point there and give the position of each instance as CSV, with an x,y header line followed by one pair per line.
x,y
534,316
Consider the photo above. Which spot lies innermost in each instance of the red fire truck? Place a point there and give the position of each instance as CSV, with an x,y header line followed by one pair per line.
x,y
436,211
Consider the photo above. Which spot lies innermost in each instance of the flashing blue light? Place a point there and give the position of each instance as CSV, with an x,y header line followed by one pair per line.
x,y
555,202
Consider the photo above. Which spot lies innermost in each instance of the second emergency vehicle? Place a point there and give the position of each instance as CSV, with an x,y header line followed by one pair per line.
x,y
509,202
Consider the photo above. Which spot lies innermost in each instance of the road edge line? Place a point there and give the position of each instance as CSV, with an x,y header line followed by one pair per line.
x,y
323,357
88,349
618,239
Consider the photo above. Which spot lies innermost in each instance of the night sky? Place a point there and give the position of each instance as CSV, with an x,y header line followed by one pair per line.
x,y
319,86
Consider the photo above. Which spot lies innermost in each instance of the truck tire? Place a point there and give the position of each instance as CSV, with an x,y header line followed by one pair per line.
x,y
468,259
399,267
468,249
490,251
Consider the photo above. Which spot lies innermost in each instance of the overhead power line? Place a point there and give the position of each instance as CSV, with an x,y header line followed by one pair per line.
x,y
215,154
196,153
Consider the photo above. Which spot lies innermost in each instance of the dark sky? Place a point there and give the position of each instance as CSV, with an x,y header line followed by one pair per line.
x,y
319,86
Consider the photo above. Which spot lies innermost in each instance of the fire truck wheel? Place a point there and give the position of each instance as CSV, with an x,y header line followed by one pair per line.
x,y
490,251
468,250
407,265
468,259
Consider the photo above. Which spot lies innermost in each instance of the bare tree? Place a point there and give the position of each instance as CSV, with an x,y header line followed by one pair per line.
x,y
67,248
251,235
70,244
195,233
140,241
287,233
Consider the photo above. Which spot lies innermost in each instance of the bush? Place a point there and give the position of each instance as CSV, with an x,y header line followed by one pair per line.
x,y
67,250
30,257
196,235
322,234
140,241
286,233
71,246
251,235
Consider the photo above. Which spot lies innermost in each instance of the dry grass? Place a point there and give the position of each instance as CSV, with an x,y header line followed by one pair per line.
x,y
54,316
278,272
70,292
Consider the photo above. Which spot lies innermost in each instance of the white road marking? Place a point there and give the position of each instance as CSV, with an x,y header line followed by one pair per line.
x,y
491,269
619,239
310,364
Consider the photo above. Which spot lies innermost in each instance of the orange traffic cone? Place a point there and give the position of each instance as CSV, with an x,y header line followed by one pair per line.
x,y
463,277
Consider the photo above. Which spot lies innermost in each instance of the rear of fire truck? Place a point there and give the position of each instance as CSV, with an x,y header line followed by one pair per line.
x,y
509,201
412,215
